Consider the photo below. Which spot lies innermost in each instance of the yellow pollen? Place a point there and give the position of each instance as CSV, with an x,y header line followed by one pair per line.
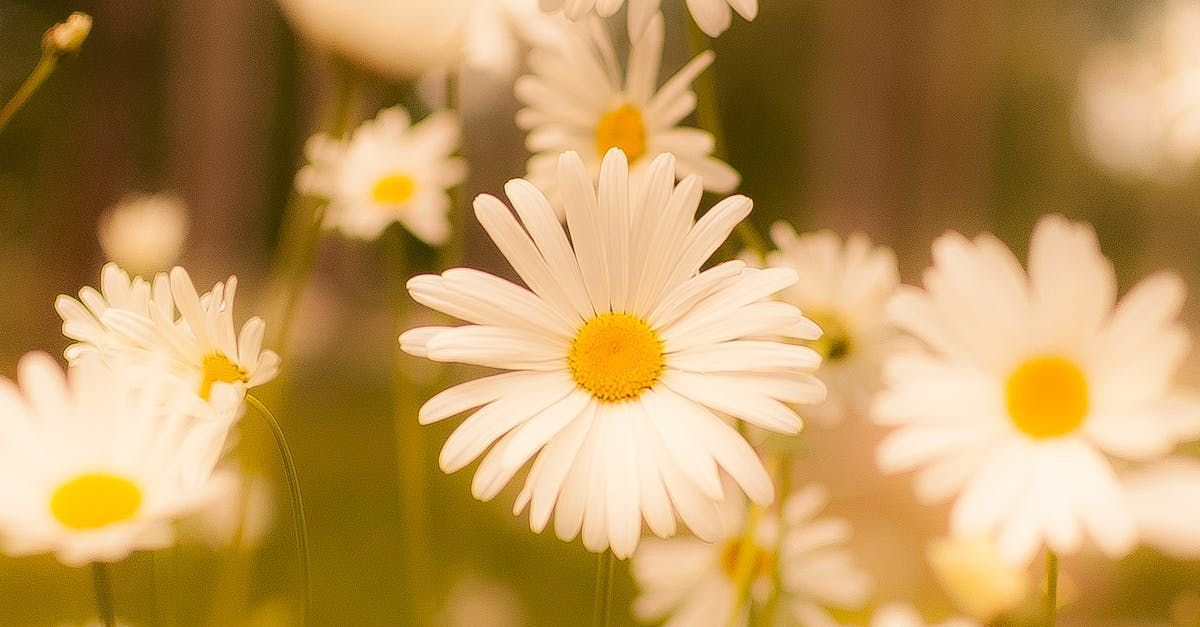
x,y
622,128
1047,397
616,357
95,500
218,368
394,189
763,561
835,343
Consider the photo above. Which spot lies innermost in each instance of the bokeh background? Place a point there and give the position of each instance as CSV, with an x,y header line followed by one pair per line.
x,y
901,118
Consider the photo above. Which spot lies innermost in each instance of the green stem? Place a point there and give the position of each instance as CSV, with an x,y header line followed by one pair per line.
x,y
743,570
602,615
104,594
410,451
41,71
708,114
1051,588
293,483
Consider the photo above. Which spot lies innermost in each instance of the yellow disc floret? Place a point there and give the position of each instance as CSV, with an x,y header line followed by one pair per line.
x,y
218,368
622,128
762,561
835,343
616,357
1047,397
95,500
394,189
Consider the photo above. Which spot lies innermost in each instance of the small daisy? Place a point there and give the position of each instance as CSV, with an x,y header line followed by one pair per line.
x,y
388,171
843,287
713,16
578,98
626,360
134,321
96,464
1028,384
690,582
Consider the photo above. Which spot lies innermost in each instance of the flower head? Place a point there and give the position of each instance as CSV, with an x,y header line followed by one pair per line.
x,y
713,16
1029,383
578,98
626,360
388,171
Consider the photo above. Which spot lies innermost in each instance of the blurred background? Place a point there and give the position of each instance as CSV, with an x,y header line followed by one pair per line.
x,y
900,118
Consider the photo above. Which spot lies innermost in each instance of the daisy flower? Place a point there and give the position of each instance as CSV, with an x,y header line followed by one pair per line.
x,y
1028,384
712,16
133,320
844,287
690,582
578,98
626,361
96,464
388,171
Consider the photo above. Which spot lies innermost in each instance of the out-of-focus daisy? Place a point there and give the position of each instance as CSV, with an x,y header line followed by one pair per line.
x,y
1165,499
976,579
496,29
626,361
388,171
130,319
477,600
144,233
1138,106
578,98
843,287
1028,383
712,16
690,582
96,464
905,615
401,40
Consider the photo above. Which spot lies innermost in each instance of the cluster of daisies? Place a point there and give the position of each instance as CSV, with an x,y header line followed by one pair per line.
x,y
103,458
636,372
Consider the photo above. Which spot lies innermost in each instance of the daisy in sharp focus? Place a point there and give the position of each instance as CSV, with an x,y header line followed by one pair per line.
x,y
712,16
579,99
136,321
844,287
389,170
626,361
689,582
97,463
1028,384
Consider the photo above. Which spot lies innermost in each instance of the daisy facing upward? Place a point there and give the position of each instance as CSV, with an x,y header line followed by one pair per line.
x,y
1030,384
625,361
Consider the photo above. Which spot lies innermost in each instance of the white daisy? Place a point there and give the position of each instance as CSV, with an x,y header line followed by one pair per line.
x,y
843,287
690,582
578,98
712,16
96,464
1029,383
627,360
388,171
137,322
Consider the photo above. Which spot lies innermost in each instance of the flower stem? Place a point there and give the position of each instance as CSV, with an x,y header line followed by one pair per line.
x,y
1051,588
602,615
783,475
298,518
743,570
44,68
708,114
104,594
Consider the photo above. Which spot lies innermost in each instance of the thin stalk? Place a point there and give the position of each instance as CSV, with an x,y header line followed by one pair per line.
x,y
293,483
1051,588
783,477
410,450
602,615
743,570
44,68
708,114
104,595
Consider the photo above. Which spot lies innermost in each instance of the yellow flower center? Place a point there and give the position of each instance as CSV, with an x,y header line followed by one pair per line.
x,y
394,189
95,500
616,357
762,561
835,343
1047,397
622,128
218,368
